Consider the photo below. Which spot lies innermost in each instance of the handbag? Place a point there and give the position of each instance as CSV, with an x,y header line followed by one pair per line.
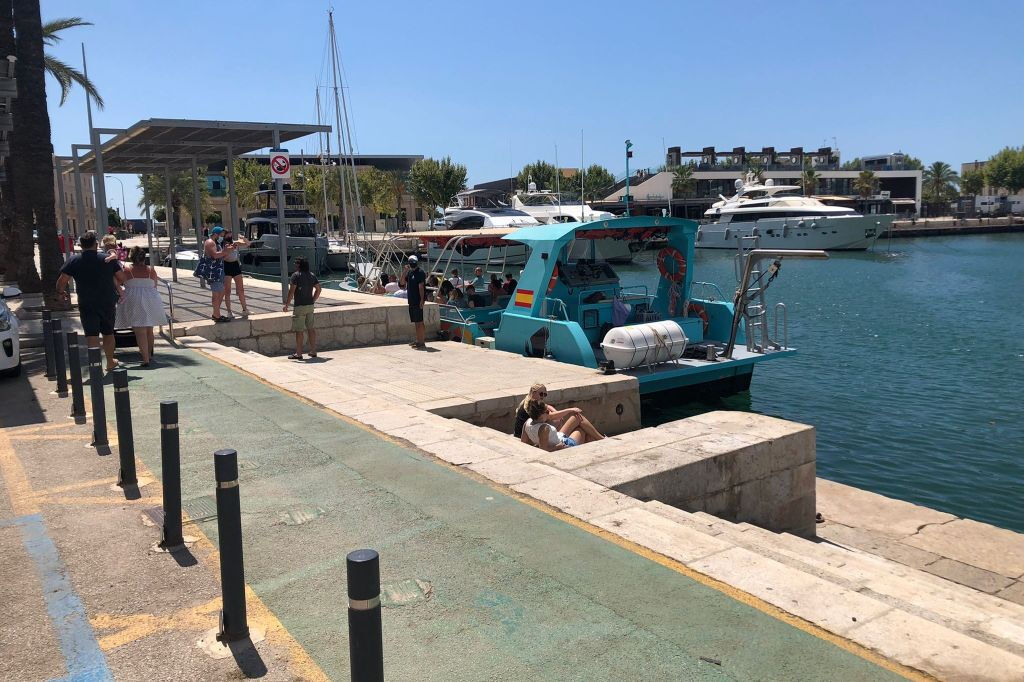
x,y
210,269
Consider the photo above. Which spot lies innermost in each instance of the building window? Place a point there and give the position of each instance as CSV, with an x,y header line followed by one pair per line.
x,y
419,214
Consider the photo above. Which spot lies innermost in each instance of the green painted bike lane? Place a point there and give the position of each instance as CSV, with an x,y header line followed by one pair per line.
x,y
505,591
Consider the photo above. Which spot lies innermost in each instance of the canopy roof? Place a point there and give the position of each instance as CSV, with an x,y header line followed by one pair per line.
x,y
157,143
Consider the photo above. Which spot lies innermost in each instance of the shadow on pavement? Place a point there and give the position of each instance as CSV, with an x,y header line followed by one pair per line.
x,y
183,557
247,658
20,406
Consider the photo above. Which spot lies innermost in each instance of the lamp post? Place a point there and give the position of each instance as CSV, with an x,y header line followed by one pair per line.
x,y
629,154
124,208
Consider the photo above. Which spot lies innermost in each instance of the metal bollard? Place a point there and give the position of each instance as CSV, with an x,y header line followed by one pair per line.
x,y
365,637
75,365
233,624
51,370
170,466
99,410
125,439
58,358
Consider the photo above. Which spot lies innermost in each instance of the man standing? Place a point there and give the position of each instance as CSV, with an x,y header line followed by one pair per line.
x,y
414,280
98,282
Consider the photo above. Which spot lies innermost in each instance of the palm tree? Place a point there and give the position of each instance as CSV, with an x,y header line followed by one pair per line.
x,y
65,74
809,180
866,183
940,181
682,182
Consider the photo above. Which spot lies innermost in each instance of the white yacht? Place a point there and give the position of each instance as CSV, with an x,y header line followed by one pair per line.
x,y
784,219
479,209
263,255
549,207
340,254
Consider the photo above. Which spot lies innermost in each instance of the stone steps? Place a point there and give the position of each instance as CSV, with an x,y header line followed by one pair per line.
x,y
847,591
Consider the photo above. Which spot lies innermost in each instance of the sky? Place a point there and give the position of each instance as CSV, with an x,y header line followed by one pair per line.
x,y
498,85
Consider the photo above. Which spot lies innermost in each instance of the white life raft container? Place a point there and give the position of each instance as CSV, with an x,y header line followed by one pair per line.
x,y
644,344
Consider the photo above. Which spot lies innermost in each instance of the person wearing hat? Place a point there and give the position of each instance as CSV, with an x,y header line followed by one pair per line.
x,y
414,282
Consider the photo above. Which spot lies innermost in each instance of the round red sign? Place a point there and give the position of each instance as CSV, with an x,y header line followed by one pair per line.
x,y
280,165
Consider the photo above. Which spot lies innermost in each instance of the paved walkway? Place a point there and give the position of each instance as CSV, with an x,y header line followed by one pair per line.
x,y
478,584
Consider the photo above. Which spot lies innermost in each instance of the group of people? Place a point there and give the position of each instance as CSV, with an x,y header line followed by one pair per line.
x,y
541,425
471,293
113,295
220,268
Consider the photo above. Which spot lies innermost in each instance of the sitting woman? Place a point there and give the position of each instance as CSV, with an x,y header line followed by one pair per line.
x,y
443,292
494,289
538,392
538,431
457,298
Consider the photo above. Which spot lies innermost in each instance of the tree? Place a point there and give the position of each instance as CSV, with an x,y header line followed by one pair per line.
x,y
153,188
249,175
597,183
67,75
540,172
809,181
912,163
682,180
852,164
375,190
433,183
214,218
972,182
1006,170
940,182
114,218
866,183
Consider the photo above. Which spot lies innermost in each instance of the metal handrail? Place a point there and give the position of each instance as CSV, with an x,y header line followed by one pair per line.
x,y
170,315
458,313
704,286
561,307
785,324
646,291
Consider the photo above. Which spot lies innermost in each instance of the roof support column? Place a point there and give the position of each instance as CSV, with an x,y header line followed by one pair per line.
x,y
153,258
65,229
98,180
83,226
282,228
169,220
232,197
197,219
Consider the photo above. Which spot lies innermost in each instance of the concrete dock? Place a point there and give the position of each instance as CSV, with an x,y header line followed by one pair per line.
x,y
685,551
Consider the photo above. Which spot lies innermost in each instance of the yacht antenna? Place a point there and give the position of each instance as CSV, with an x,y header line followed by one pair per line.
x,y
582,171
558,185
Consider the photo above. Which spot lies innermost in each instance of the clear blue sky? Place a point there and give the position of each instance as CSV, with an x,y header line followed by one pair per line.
x,y
941,81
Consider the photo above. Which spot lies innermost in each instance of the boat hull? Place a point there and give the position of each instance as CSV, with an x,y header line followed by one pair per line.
x,y
513,254
853,233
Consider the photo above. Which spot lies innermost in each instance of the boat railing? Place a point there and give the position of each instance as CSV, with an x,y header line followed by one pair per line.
x,y
451,313
785,325
558,306
707,291
641,290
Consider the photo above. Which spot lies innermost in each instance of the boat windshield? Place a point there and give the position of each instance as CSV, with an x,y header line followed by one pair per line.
x,y
294,229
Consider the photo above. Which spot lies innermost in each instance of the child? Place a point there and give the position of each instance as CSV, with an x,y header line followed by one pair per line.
x,y
305,289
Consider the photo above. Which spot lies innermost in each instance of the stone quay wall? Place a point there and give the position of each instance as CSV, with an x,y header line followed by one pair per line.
x,y
338,326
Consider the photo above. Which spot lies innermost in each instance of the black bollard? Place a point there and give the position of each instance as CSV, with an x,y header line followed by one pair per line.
x,y
125,439
170,466
365,637
99,410
233,624
58,358
51,370
75,365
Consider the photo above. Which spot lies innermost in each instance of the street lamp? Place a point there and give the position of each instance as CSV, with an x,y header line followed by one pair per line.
x,y
629,154
124,209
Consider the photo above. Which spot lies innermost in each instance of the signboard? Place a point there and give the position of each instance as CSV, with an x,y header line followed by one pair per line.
x,y
884,194
280,165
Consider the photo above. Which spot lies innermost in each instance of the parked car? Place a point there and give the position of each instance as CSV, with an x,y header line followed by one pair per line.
x,y
10,348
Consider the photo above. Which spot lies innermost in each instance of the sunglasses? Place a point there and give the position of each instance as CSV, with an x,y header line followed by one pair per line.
x,y
542,394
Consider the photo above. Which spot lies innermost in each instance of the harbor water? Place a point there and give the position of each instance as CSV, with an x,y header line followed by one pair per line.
x,y
910,367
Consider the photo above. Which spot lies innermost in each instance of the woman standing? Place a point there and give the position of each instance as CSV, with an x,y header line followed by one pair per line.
x,y
233,272
140,307
211,268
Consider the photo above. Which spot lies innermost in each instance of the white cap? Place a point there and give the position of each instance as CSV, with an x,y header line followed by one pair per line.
x,y
414,259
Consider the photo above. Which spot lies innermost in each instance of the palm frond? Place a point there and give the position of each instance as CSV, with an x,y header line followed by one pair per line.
x,y
67,76
52,28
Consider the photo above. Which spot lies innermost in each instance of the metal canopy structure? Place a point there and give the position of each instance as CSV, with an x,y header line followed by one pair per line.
x,y
161,143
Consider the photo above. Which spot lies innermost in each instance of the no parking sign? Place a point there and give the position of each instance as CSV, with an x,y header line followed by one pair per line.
x,y
280,165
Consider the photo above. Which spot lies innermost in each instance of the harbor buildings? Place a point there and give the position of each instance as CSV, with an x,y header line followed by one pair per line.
x,y
71,204
715,173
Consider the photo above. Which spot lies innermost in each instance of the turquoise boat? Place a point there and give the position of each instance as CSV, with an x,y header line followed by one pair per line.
x,y
686,336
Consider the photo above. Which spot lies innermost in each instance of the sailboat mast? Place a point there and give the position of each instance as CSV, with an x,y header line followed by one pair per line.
x,y
323,173
558,184
350,149
337,119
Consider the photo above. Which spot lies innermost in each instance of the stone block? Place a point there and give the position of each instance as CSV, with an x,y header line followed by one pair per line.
x,y
575,496
231,331
971,576
364,314
457,450
363,334
753,503
584,455
978,544
804,479
380,333
778,487
793,450
250,344
344,337
793,514
270,344
456,407
494,401
270,323
1014,593
510,470
658,473
660,534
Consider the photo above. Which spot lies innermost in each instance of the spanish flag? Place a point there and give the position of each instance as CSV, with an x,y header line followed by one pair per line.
x,y
524,298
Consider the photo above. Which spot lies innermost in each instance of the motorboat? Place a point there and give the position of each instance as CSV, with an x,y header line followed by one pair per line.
x,y
341,255
551,207
480,210
262,256
684,336
781,218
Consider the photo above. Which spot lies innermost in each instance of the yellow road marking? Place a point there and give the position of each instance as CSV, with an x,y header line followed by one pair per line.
x,y
50,436
41,427
19,492
138,625
668,562
112,500
75,486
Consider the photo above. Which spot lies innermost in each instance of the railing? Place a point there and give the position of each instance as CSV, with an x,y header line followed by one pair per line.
x,y
451,313
703,291
785,325
170,315
560,307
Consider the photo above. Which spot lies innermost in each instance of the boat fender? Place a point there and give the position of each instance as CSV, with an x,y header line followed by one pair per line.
x,y
554,279
680,271
698,310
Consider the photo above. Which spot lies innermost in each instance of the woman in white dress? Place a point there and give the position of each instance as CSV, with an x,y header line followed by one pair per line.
x,y
141,307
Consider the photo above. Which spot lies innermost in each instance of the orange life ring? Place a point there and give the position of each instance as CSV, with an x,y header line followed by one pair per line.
x,y
554,279
698,309
680,272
